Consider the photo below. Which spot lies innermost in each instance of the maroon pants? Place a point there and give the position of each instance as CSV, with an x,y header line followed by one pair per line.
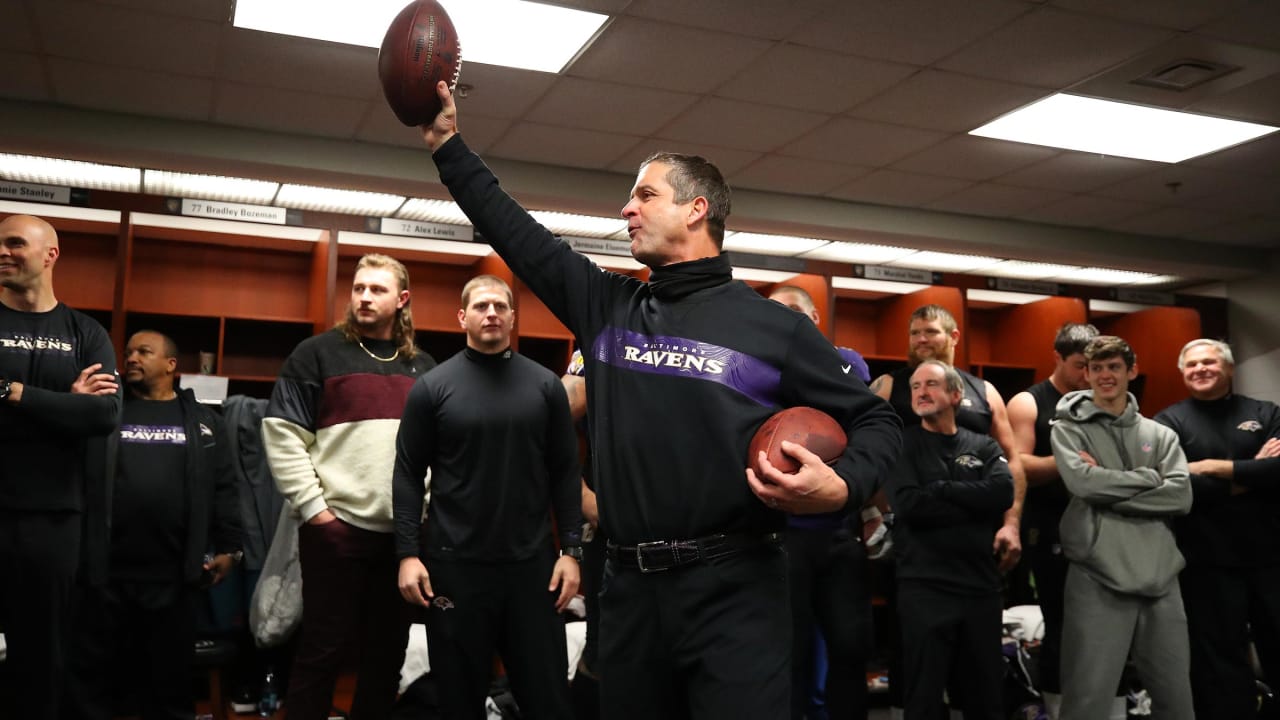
x,y
350,603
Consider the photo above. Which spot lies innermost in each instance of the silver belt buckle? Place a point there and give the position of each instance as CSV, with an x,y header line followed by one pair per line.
x,y
640,556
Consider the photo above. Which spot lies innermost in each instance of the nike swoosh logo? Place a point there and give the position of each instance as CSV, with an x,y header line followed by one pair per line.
x,y
846,368
1053,421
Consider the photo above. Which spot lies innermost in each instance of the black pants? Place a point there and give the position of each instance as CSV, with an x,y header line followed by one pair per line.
x,y
125,627
828,577
1049,568
39,554
350,602
707,641
480,608
1223,605
950,641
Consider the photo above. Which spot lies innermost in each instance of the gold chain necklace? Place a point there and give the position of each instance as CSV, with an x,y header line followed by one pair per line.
x,y
394,355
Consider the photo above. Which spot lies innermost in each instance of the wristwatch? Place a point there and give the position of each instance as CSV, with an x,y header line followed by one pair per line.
x,y
573,551
6,387
237,557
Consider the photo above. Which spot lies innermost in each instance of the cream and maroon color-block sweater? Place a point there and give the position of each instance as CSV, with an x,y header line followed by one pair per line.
x,y
330,428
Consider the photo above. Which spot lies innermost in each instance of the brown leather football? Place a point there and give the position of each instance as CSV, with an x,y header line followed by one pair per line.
x,y
419,50
812,428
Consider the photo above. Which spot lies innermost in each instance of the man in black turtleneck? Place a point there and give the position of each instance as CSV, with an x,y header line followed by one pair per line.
x,y
684,368
1231,584
493,427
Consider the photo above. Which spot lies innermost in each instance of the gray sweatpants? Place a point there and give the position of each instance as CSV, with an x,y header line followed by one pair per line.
x,y
1101,628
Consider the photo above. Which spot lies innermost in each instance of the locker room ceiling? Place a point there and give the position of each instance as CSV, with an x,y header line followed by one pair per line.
x,y
827,116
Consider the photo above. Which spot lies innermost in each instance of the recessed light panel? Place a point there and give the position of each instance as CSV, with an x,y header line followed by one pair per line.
x,y
1107,127
513,33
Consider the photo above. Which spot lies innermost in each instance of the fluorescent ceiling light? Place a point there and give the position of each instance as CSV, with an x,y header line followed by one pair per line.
x,y
581,225
441,211
759,275
1028,270
1112,128
946,262
858,253
771,244
1112,307
355,202
884,286
73,173
514,33
1002,297
1104,276
1157,280
208,187
615,262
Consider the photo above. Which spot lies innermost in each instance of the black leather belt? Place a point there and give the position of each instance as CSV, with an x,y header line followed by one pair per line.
x,y
666,554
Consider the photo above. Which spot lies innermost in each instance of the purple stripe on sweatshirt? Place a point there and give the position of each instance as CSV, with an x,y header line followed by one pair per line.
x,y
681,357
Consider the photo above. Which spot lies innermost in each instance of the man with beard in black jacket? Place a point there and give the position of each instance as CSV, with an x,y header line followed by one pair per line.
x,y
684,368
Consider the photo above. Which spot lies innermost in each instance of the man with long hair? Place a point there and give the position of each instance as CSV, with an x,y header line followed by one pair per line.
x,y
329,434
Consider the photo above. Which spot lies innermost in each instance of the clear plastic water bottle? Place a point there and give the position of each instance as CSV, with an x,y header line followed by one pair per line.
x,y
269,701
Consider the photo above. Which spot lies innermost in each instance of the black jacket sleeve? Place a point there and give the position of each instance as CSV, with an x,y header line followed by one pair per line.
x,y
76,414
415,452
989,496
1265,472
563,471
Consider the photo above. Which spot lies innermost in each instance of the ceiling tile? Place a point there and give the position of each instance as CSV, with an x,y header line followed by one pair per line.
x,y
974,158
1077,172
23,77
107,35
379,125
287,110
561,146
217,11
810,79
668,57
890,187
19,33
1244,196
739,125
501,92
756,18
994,200
859,142
1170,184
1170,222
1254,23
258,58
728,160
946,101
137,92
1255,232
1260,157
1086,211
919,32
1176,14
1258,102
594,105
794,176
481,133
1053,49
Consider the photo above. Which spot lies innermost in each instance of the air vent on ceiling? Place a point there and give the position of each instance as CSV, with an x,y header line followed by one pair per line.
x,y
1185,74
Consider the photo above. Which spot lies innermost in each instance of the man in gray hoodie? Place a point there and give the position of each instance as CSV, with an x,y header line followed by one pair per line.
x,y
1127,477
